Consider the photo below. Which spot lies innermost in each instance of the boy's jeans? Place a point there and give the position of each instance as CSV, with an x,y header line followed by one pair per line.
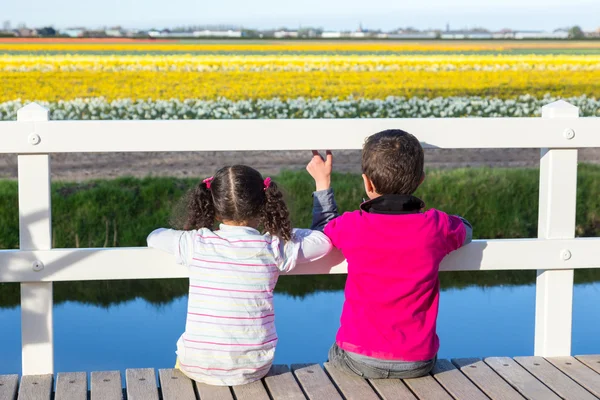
x,y
372,368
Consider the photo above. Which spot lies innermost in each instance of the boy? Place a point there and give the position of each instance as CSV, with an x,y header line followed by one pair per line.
x,y
393,249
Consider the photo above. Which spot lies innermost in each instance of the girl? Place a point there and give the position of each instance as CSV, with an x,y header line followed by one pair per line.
x,y
230,335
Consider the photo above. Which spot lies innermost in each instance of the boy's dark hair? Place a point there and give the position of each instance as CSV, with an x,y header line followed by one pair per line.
x,y
393,160
238,193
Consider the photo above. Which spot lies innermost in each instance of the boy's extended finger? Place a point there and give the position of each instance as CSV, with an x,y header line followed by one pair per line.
x,y
329,157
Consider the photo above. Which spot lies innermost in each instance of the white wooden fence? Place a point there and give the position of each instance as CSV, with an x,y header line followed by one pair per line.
x,y
554,254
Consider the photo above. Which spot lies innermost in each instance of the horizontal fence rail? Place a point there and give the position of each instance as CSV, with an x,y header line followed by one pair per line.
x,y
555,254
144,263
333,134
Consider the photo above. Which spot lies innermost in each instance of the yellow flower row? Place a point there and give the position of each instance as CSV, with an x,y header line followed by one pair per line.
x,y
62,85
203,63
283,46
177,62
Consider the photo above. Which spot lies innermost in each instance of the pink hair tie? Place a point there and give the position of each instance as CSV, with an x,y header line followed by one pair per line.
x,y
207,182
267,182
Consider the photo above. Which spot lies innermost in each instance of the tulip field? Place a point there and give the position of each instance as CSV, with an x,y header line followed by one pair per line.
x,y
126,79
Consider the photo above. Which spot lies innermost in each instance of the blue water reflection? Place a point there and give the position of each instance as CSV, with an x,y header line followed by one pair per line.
x,y
473,322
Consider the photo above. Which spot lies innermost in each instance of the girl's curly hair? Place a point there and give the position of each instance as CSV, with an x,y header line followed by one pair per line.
x,y
237,193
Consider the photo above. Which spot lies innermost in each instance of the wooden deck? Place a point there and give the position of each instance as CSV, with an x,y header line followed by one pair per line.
x,y
501,378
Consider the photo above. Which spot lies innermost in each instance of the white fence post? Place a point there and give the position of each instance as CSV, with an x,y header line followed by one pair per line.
x,y
558,196
35,233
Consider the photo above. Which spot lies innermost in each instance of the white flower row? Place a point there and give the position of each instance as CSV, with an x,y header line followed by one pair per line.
x,y
308,67
391,107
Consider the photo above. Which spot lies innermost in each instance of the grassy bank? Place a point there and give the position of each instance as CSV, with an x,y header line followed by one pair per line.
x,y
501,203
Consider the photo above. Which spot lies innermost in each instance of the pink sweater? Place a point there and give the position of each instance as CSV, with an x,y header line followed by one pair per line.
x,y
392,290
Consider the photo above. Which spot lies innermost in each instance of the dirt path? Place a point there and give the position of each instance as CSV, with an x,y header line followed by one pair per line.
x,y
77,167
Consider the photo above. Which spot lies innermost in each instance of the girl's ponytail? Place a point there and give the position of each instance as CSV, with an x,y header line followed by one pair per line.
x,y
275,215
200,207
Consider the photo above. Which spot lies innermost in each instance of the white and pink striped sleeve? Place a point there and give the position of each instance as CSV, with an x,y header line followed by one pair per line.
x,y
306,246
178,243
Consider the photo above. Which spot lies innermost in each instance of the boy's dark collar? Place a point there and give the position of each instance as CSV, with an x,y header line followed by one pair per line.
x,y
393,204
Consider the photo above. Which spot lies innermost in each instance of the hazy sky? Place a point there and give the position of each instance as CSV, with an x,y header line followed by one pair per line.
x,y
330,14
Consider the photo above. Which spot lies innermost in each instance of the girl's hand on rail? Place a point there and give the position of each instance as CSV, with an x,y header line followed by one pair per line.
x,y
320,169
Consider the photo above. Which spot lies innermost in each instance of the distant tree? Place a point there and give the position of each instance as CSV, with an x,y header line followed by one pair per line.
x,y
576,33
250,33
46,31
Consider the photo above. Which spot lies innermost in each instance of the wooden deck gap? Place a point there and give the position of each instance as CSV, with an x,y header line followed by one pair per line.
x,y
335,385
267,388
471,380
373,388
299,384
409,389
230,391
196,392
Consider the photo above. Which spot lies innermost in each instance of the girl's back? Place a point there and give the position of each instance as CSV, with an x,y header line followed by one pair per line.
x,y
230,334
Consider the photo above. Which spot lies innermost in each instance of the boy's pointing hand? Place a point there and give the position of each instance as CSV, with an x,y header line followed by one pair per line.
x,y
320,169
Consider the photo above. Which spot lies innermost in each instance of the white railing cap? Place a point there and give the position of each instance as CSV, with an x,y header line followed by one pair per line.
x,y
560,109
32,112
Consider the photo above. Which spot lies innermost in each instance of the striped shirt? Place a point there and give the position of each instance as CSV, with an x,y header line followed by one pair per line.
x,y
230,334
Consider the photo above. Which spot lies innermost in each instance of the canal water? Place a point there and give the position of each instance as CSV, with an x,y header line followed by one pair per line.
x,y
119,324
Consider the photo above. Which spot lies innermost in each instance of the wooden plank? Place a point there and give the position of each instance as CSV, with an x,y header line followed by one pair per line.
x,y
252,391
210,392
141,384
583,375
106,385
427,388
561,384
486,379
352,387
282,385
175,385
314,382
36,387
520,379
455,383
591,361
71,386
392,389
8,387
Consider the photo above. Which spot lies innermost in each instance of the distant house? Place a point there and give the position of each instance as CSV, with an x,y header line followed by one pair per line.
x,y
94,34
504,34
558,34
458,35
135,33
218,33
593,34
73,32
114,32
179,34
281,34
331,35
411,35
25,32
166,33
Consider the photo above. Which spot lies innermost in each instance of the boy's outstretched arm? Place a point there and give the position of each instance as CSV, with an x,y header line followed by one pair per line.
x,y
459,232
324,205
469,229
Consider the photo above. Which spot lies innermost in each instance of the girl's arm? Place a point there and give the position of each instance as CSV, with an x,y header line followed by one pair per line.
x,y
178,243
313,245
306,246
